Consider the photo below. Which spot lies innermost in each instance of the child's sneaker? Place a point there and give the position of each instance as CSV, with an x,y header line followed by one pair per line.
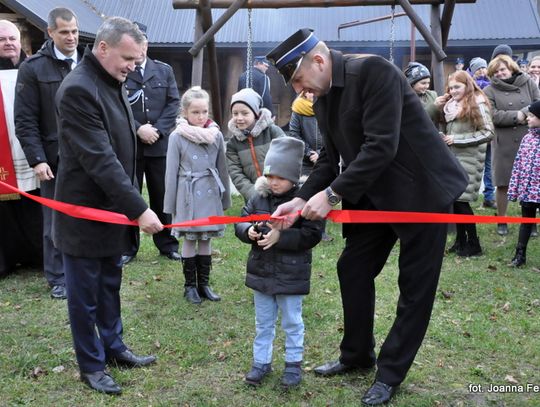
x,y
257,373
292,375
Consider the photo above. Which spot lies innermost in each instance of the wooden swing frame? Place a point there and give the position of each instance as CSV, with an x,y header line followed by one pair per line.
x,y
205,29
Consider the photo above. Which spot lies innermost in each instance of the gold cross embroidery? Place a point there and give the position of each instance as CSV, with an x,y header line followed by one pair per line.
x,y
3,174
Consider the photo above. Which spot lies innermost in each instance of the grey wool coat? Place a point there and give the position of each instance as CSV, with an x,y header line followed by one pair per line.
x,y
196,182
506,101
239,158
469,147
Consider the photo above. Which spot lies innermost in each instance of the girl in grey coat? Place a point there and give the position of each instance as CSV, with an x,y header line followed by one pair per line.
x,y
468,129
196,186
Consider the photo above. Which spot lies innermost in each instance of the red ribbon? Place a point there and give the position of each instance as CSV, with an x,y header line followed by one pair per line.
x,y
343,216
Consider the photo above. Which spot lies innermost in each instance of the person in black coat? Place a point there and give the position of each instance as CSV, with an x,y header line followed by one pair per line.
x,y
20,217
97,143
393,160
39,78
279,263
260,82
155,102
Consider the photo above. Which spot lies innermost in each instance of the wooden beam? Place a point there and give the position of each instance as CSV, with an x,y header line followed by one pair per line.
x,y
197,64
206,14
437,69
193,4
446,20
432,42
214,28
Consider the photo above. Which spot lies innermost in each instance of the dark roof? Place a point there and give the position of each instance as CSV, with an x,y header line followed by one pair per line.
x,y
36,12
486,21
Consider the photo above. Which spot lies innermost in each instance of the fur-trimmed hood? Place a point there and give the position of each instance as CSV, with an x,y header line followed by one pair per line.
x,y
262,187
262,123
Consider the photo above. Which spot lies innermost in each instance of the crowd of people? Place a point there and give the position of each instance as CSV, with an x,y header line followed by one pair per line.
x,y
362,134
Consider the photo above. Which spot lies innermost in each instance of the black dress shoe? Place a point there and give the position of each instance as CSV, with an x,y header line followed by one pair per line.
x,y
129,359
58,292
101,381
336,368
379,393
126,259
172,256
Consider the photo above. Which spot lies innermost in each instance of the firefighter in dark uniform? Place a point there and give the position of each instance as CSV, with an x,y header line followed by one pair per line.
x,y
155,102
260,82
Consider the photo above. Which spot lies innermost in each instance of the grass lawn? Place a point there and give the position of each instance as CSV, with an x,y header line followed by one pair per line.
x,y
485,330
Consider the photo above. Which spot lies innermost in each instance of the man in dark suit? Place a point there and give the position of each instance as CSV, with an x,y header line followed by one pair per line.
x,y
39,78
260,82
155,102
97,147
394,160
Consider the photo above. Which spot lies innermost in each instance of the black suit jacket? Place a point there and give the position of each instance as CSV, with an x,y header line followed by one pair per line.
x,y
157,104
392,152
97,152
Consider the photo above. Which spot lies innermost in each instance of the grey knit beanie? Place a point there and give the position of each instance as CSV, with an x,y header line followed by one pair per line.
x,y
250,98
476,64
416,72
284,158
502,49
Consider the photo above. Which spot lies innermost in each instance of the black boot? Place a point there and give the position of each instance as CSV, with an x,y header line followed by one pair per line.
x,y
292,375
204,265
473,247
461,240
520,257
190,274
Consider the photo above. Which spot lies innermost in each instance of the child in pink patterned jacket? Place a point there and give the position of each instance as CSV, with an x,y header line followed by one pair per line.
x,y
525,181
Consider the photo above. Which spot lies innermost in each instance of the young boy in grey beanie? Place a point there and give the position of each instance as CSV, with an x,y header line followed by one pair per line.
x,y
279,263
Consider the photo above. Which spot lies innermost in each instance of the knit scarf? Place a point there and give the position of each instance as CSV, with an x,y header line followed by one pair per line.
x,y
196,134
303,106
451,109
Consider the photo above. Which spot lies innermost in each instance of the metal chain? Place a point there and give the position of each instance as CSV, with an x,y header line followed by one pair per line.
x,y
249,60
392,33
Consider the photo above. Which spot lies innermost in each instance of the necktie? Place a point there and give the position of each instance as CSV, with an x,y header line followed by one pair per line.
x,y
70,63
138,68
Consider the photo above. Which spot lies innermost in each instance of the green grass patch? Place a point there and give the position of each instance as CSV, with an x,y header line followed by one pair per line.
x,y
485,330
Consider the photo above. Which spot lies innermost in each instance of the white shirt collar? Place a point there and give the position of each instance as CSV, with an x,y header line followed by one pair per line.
x,y
61,56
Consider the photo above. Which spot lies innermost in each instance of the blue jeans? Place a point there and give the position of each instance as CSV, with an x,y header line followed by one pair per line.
x,y
488,185
266,313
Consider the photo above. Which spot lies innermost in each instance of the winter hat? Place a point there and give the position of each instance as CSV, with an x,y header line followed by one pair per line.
x,y
502,49
284,158
534,108
416,72
250,98
303,106
476,64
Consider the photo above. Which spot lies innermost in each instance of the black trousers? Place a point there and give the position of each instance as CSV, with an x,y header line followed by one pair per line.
x,y
93,300
21,231
363,258
153,170
52,257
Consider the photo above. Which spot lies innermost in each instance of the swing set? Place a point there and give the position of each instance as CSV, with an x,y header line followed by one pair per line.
x,y
205,29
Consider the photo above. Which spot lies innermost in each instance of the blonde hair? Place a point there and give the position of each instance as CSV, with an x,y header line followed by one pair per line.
x,y
502,59
195,92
